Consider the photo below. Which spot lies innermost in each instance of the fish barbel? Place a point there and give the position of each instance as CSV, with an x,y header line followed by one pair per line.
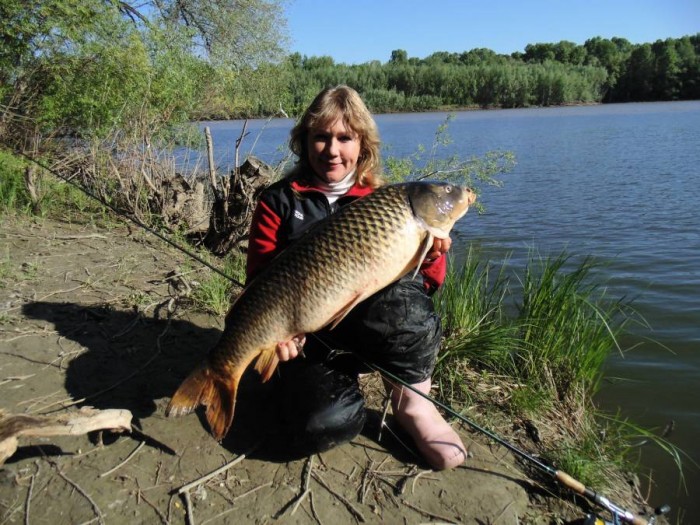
x,y
342,260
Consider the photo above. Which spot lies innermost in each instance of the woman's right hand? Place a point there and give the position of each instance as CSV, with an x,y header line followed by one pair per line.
x,y
288,350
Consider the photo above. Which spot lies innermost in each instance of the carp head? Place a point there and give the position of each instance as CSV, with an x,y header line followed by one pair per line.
x,y
438,205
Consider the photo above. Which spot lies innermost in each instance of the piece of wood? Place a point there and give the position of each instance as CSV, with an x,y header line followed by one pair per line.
x,y
210,160
13,427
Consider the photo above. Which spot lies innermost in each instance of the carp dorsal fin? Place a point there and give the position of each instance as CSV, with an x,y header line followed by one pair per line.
x,y
424,249
267,363
345,310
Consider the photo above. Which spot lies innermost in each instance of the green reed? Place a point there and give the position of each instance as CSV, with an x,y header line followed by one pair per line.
x,y
555,341
13,195
215,292
542,345
476,331
568,327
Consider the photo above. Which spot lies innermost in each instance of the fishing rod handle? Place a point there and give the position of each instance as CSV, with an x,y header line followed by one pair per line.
x,y
580,488
573,484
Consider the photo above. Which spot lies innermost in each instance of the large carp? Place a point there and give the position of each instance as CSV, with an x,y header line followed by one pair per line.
x,y
341,261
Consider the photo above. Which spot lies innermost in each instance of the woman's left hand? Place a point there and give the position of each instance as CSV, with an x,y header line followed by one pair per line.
x,y
288,350
440,246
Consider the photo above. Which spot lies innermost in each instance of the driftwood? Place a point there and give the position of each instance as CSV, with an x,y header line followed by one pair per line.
x,y
234,205
30,183
12,427
185,205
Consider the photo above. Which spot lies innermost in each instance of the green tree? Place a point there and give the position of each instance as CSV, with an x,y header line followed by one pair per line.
x,y
399,56
610,54
666,78
42,46
689,66
539,52
441,57
318,62
232,33
569,53
636,83
91,67
480,56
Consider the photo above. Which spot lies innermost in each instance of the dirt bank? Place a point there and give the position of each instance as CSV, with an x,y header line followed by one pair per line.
x,y
87,318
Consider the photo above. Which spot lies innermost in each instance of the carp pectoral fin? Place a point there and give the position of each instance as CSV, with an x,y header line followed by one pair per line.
x,y
267,362
202,387
440,233
424,249
345,311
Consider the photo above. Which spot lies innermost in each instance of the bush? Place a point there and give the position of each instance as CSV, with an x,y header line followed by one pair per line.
x,y
13,192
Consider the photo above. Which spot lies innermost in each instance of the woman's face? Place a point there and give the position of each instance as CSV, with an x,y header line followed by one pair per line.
x,y
333,151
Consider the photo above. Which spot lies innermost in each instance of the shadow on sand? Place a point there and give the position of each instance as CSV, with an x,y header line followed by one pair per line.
x,y
136,363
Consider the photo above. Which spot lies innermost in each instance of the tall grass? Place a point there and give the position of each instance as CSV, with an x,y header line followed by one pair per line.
x,y
568,327
476,331
13,195
562,332
54,197
214,293
548,354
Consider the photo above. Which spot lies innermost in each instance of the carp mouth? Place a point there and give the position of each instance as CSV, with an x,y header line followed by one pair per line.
x,y
438,205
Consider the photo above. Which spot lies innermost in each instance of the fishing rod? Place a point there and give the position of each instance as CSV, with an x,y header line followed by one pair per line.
x,y
619,514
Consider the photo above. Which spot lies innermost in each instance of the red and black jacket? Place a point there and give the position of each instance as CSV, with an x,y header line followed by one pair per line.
x,y
289,207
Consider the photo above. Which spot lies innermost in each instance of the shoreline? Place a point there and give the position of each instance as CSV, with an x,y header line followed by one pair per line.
x,y
89,305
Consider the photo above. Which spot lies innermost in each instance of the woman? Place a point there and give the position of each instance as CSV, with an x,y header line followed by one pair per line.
x,y
337,145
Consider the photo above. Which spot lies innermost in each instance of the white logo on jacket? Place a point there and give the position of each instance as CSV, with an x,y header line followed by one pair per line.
x,y
298,215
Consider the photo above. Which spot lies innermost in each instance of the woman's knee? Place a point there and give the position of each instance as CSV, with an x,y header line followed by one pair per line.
x,y
320,407
338,422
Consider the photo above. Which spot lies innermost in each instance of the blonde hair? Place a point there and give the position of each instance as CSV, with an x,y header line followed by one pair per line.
x,y
329,105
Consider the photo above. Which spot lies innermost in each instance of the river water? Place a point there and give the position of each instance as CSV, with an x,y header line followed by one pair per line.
x,y
618,182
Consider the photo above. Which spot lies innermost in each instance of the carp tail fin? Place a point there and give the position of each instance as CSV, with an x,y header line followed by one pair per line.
x,y
202,387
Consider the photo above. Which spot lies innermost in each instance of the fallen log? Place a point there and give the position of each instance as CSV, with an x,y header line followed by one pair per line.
x,y
12,427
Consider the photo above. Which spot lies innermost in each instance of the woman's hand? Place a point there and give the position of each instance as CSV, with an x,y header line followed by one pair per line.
x,y
440,246
288,350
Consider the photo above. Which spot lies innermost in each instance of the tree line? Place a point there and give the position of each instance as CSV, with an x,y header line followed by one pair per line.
x,y
600,70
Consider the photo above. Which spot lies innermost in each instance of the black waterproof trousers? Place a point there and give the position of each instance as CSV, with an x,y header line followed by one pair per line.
x,y
319,398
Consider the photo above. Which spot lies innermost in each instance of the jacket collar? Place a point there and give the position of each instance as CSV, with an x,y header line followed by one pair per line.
x,y
303,186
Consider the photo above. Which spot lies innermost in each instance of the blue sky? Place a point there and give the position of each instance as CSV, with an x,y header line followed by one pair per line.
x,y
357,31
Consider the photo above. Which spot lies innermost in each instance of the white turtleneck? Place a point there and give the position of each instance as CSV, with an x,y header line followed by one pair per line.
x,y
334,190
